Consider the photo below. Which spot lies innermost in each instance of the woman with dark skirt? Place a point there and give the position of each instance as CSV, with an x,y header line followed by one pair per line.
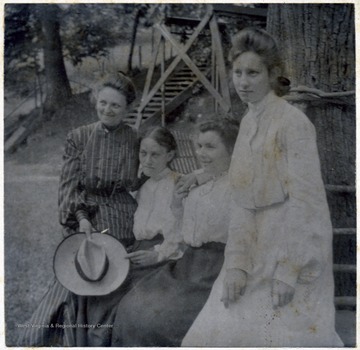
x,y
161,307
99,171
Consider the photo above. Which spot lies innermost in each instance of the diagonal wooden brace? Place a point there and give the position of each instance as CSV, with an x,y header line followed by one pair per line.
x,y
182,54
176,61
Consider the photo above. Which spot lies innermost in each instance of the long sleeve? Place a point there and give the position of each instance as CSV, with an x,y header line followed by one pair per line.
x,y
98,164
70,192
172,247
207,213
242,231
154,215
307,228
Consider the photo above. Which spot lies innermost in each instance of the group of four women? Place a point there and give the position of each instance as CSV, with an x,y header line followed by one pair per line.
x,y
238,254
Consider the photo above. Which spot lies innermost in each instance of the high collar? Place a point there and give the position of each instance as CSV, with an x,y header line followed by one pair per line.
x,y
161,175
104,128
258,107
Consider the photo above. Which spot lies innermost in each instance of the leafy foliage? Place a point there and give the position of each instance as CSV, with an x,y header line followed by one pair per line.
x,y
22,46
88,30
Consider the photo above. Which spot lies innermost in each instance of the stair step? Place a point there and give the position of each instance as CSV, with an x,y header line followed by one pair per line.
x,y
345,301
344,231
154,104
168,94
148,109
156,99
179,83
340,188
188,74
174,88
200,66
144,115
180,79
350,268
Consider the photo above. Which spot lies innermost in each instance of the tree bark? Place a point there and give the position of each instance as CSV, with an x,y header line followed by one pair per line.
x,y
133,38
318,42
58,87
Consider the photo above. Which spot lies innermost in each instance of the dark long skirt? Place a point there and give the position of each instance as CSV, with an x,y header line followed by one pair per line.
x,y
162,306
99,312
66,319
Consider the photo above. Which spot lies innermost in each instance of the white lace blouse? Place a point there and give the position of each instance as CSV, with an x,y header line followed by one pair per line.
x,y
153,215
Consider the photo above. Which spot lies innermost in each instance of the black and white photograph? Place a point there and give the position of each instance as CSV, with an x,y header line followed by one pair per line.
x,y
179,174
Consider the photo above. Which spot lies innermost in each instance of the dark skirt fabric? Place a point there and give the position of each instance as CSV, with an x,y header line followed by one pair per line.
x,y
162,306
100,311
66,319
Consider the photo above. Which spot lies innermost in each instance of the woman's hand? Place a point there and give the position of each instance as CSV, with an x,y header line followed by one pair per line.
x,y
143,257
281,293
177,201
234,285
85,226
184,183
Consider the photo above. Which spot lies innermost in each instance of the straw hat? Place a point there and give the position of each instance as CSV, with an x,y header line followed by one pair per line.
x,y
89,267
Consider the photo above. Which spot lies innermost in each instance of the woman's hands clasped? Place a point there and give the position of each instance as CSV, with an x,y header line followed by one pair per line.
x,y
234,286
281,293
143,257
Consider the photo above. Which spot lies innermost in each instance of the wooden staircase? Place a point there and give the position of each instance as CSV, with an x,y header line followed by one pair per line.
x,y
169,84
342,201
177,89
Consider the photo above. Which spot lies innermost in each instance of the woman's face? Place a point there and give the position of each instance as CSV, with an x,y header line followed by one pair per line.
x,y
212,153
251,77
111,106
153,157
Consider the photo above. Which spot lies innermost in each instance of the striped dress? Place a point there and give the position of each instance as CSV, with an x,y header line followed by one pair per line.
x,y
99,170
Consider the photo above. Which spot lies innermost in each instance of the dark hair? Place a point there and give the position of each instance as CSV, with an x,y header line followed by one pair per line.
x,y
162,136
226,128
119,82
263,44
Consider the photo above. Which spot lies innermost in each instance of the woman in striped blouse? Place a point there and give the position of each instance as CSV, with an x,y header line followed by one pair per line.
x,y
100,169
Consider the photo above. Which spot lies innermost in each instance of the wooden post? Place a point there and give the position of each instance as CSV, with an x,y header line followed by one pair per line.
x,y
140,60
152,39
163,85
220,63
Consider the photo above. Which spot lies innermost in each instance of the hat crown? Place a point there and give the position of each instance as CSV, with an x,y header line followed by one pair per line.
x,y
91,261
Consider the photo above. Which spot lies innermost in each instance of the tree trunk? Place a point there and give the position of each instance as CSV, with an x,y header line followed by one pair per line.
x,y
133,39
58,87
318,42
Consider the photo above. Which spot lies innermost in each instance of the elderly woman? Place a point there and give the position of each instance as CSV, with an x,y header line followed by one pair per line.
x,y
276,288
100,168
161,307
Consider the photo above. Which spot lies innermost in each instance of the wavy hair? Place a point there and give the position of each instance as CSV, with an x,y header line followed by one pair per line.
x,y
119,82
263,44
226,128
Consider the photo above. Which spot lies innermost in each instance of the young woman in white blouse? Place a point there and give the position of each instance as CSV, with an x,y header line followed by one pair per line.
x,y
156,241
276,288
154,221
163,305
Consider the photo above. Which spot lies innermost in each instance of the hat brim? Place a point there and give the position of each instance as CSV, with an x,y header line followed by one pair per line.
x,y
68,276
